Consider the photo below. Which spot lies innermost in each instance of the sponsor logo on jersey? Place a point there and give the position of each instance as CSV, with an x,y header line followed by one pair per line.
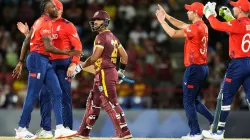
x,y
46,31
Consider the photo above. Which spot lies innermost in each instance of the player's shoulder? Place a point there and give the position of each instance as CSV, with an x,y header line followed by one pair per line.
x,y
198,24
65,21
99,37
44,19
41,21
102,35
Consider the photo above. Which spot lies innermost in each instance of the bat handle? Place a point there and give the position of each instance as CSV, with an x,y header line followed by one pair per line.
x,y
128,80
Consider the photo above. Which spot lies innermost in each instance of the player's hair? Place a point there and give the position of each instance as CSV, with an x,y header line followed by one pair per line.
x,y
43,4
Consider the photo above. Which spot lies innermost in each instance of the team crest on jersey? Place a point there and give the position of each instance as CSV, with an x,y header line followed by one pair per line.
x,y
96,13
58,28
100,88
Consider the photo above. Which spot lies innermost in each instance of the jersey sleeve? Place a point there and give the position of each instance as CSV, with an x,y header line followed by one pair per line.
x,y
99,42
74,40
191,31
46,29
231,26
120,45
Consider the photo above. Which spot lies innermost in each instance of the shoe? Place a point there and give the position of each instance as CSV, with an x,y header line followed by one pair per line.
x,y
219,135
43,134
211,127
125,135
192,137
64,133
24,134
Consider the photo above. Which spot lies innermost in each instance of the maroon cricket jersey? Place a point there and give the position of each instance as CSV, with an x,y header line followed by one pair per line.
x,y
110,45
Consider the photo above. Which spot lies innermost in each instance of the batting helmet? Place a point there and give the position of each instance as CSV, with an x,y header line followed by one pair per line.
x,y
100,15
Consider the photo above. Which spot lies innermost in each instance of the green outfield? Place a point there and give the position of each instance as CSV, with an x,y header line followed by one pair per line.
x,y
12,138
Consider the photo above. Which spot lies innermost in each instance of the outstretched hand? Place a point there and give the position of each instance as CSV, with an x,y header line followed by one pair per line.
x,y
161,9
226,13
160,15
209,9
23,28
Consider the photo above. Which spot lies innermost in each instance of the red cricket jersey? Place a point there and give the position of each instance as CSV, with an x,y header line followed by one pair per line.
x,y
65,36
41,27
239,37
196,44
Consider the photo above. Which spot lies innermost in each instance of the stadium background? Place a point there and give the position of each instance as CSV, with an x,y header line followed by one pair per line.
x,y
155,60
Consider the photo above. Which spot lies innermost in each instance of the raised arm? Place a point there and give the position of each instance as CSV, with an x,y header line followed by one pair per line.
x,y
169,30
177,23
222,26
23,28
210,13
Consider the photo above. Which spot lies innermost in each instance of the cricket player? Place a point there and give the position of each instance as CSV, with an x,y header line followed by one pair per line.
x,y
104,57
41,72
64,36
195,60
237,73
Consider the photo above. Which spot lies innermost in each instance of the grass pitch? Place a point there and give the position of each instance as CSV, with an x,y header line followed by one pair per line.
x,y
13,138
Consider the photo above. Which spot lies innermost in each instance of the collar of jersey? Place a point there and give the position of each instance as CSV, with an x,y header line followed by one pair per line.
x,y
104,31
198,21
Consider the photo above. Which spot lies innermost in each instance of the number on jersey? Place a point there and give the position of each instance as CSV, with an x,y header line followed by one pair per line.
x,y
245,40
114,53
203,50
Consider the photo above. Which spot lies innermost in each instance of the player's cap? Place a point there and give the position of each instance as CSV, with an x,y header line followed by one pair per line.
x,y
242,4
197,7
101,15
58,4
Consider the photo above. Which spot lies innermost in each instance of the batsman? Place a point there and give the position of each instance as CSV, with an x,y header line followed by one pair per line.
x,y
106,49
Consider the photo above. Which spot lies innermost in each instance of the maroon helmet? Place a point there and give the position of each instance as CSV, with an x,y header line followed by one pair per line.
x,y
100,15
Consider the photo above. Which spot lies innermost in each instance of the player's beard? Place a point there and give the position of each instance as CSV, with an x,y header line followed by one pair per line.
x,y
95,28
53,14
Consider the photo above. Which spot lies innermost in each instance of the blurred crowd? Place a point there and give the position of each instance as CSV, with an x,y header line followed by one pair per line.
x,y
155,60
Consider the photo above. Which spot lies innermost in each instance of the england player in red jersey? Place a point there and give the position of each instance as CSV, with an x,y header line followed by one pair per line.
x,y
195,60
237,73
41,72
104,57
64,36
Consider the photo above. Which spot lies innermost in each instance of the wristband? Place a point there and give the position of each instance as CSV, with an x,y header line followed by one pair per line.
x,y
122,66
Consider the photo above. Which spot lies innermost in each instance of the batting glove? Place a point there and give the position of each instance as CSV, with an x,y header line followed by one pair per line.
x,y
120,75
78,69
209,9
226,13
